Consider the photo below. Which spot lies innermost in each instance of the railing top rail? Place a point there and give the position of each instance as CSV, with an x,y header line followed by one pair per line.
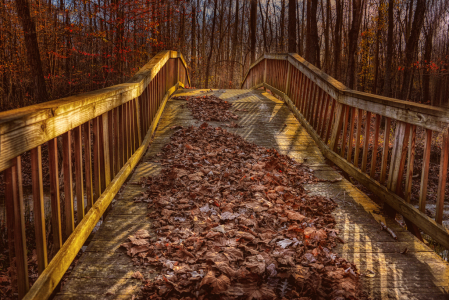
x,y
25,128
435,118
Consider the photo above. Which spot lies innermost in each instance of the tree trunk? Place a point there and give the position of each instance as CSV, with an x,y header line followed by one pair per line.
x,y
33,54
327,37
253,28
426,74
234,42
353,41
193,50
376,53
212,37
312,47
292,26
389,59
411,46
282,27
337,39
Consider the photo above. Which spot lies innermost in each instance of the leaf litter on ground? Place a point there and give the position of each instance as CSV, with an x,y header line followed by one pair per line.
x,y
232,220
210,108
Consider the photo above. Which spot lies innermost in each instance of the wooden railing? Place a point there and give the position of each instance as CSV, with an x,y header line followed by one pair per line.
x,y
353,129
104,133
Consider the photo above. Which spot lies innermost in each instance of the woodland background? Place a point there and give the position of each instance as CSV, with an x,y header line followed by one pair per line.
x,y
51,49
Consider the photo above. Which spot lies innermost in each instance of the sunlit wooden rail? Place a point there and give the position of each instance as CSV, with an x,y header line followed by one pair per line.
x,y
107,132
333,113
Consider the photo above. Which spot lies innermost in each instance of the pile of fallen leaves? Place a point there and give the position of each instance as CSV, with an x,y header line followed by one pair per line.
x,y
209,108
232,220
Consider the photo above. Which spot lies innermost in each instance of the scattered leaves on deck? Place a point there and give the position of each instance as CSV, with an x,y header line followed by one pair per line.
x,y
232,220
210,108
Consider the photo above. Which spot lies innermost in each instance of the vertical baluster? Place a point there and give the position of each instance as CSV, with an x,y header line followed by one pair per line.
x,y
304,95
122,134
79,174
366,141
321,100
142,125
105,149
375,145
128,132
411,159
131,126
351,135
345,131
357,138
88,164
322,125
315,101
398,157
38,208
147,107
110,133
310,102
138,134
288,80
150,102
442,180
54,194
117,140
302,86
14,205
97,171
425,171
338,123
330,121
68,193
293,85
383,168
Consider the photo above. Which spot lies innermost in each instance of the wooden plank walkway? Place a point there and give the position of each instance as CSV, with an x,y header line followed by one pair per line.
x,y
104,271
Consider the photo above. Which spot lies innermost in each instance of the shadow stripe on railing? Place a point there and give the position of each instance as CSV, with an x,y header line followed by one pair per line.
x,y
117,123
333,115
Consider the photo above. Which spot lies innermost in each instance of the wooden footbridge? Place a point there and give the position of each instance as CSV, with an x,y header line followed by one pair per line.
x,y
110,138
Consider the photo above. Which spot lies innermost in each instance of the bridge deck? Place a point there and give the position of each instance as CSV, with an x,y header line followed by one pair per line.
x,y
104,271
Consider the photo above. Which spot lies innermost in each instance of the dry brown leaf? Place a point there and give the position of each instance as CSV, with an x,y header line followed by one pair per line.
x,y
262,292
295,216
218,284
138,275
